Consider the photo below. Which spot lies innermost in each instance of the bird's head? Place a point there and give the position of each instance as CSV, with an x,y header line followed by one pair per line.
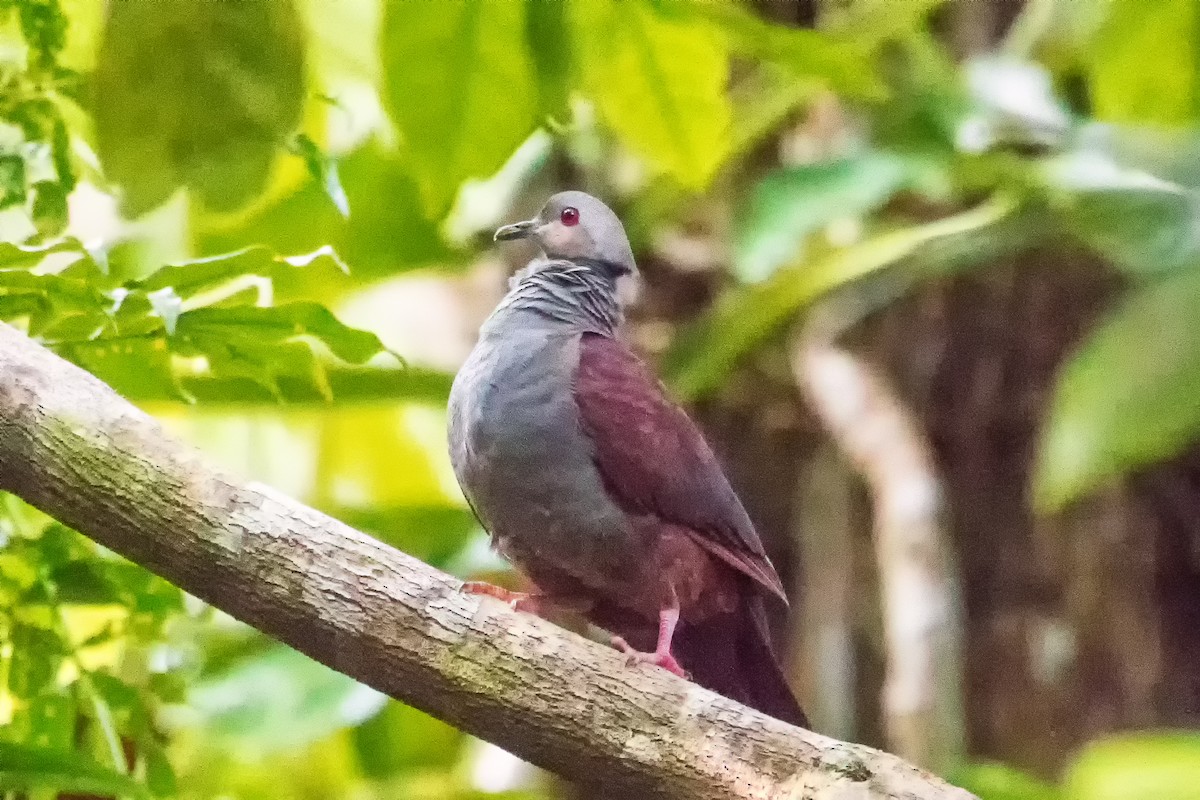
x,y
574,226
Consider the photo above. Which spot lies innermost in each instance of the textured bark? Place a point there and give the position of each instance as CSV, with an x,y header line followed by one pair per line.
x,y
72,447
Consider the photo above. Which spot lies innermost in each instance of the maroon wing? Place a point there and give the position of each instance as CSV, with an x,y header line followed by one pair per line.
x,y
654,460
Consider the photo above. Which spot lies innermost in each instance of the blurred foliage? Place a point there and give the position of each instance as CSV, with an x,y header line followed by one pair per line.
x,y
1162,765
194,197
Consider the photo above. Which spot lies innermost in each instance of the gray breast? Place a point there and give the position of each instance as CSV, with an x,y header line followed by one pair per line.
x,y
522,459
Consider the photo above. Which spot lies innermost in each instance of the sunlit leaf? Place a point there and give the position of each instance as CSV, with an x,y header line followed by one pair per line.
x,y
130,366
1165,766
460,86
386,233
277,699
26,768
400,739
276,323
659,82
1127,397
348,385
841,64
702,356
38,654
792,203
1143,223
1013,105
47,721
1145,63
550,46
324,170
196,94
995,781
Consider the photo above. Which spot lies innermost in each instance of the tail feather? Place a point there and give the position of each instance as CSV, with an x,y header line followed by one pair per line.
x,y
731,654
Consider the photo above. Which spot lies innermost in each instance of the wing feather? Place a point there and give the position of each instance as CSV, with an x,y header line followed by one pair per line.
x,y
653,458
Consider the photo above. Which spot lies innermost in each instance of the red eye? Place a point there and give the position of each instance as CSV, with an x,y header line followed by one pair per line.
x,y
569,216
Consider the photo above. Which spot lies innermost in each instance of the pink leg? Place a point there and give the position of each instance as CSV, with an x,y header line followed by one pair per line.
x,y
668,618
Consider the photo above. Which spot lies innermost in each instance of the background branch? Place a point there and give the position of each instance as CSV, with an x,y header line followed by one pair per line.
x,y
70,446
920,595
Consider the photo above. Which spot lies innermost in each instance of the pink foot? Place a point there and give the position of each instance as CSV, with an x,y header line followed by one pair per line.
x,y
664,660
518,601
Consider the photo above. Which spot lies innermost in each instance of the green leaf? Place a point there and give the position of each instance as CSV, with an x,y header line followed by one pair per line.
x,y
1127,397
38,652
841,64
324,169
386,233
460,86
200,95
25,768
276,700
703,355
349,385
189,278
1145,62
1141,222
402,739
549,42
49,208
994,781
85,583
1163,766
12,180
279,323
47,720
134,367
792,203
659,82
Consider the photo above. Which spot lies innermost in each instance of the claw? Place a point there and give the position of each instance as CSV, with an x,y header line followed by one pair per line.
x,y
664,660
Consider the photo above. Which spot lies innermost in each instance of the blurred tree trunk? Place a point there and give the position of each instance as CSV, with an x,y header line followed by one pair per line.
x,y
1078,624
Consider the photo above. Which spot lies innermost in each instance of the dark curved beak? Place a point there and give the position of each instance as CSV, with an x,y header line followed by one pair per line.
x,y
518,230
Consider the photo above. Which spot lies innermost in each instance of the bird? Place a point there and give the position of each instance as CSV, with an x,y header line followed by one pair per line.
x,y
596,485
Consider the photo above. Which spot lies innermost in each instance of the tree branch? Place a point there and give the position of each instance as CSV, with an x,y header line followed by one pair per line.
x,y
70,446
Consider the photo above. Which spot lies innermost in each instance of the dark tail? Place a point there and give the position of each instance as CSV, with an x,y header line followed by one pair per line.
x,y
731,654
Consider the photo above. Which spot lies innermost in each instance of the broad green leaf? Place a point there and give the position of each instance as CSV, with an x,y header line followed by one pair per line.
x,y
1145,62
25,768
994,781
401,739
276,700
278,323
659,82
189,278
549,41
703,355
386,233
841,64
871,23
349,385
46,720
460,86
131,366
792,203
1138,220
1127,396
201,95
1013,105
1163,766
37,655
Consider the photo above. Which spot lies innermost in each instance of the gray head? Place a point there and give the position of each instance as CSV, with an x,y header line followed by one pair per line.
x,y
574,226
